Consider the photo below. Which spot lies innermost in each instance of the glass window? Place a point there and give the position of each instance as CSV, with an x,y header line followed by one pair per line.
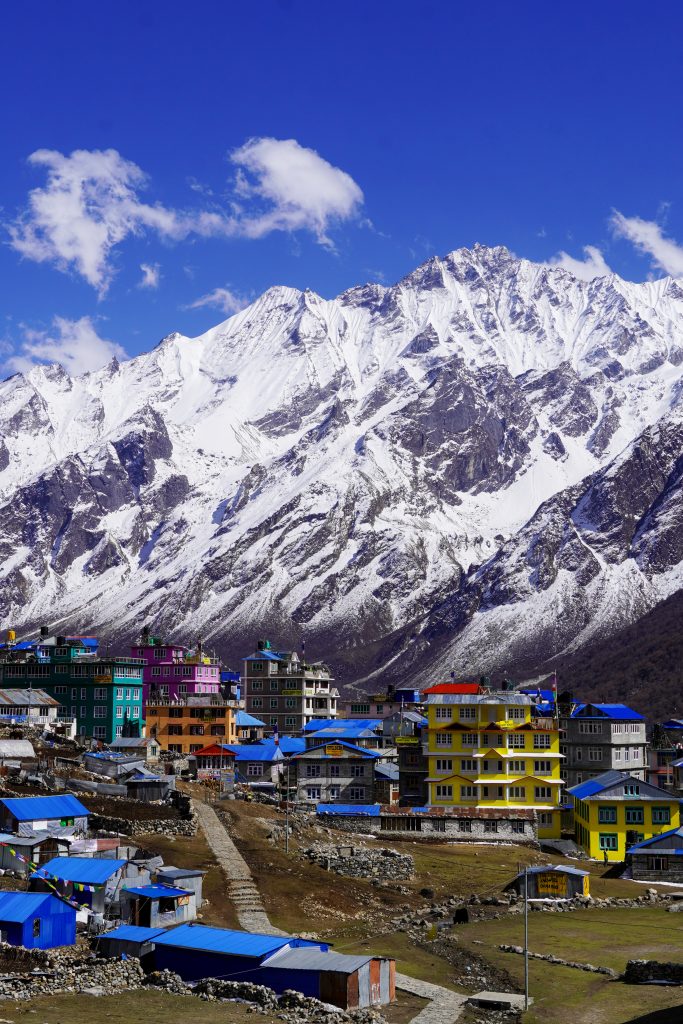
x,y
490,826
468,792
543,793
608,841
357,792
313,793
661,815
444,765
607,815
635,816
99,732
464,825
542,741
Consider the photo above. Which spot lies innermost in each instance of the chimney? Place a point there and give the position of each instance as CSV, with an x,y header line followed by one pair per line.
x,y
61,640
44,632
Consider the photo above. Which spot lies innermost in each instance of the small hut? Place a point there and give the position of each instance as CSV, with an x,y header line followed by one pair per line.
x,y
552,882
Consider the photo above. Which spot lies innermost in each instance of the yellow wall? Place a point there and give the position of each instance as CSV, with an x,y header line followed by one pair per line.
x,y
508,775
589,829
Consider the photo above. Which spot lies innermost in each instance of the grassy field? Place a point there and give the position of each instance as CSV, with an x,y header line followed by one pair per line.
x,y
131,1007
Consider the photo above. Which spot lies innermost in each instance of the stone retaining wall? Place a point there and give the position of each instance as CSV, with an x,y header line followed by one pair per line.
x,y
130,827
648,972
361,862
550,959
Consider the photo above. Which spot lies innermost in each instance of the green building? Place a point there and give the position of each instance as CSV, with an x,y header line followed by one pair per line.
x,y
103,694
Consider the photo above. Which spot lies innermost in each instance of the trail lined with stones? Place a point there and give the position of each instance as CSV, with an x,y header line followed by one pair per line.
x,y
445,1006
242,891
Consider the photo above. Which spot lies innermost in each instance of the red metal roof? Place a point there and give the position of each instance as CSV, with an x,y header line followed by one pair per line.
x,y
454,688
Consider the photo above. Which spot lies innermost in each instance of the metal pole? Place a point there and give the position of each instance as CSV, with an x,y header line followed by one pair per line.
x,y
287,812
525,938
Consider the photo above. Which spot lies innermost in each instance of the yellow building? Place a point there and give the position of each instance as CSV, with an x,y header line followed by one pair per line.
x,y
491,750
615,810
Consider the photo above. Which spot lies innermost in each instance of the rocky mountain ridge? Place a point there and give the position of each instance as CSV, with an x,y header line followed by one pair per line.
x,y
476,469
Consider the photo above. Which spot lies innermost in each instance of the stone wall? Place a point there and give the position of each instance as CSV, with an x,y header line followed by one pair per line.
x,y
129,827
435,829
641,872
361,862
651,972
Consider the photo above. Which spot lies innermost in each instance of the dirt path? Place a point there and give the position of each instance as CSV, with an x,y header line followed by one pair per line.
x,y
445,1006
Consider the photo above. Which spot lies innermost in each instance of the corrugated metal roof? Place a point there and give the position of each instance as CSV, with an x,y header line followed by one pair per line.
x,y
242,719
365,810
616,712
95,870
453,688
268,750
600,782
389,771
26,697
133,933
17,907
29,808
156,892
264,656
349,727
351,748
222,940
658,839
124,742
316,960
561,869
171,872
504,697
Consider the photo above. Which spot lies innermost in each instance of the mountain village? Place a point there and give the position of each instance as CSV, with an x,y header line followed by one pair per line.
x,y
154,803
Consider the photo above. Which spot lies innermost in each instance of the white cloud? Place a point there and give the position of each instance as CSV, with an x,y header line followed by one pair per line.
x,y
647,236
593,265
151,275
301,190
227,301
91,202
73,343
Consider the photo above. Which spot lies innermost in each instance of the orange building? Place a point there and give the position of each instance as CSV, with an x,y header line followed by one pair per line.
x,y
185,726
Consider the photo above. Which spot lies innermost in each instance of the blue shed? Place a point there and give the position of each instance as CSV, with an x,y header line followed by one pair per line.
x,y
25,815
196,951
36,920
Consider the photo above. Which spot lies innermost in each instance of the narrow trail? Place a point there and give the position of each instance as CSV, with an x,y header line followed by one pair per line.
x,y
444,1007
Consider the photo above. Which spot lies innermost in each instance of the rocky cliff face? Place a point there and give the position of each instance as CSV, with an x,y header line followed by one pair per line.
x,y
476,468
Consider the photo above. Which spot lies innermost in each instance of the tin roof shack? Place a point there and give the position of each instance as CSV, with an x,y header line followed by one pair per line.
x,y
659,859
434,824
334,771
386,783
249,728
58,814
157,906
35,848
36,920
365,732
128,940
18,751
145,747
552,882
111,764
92,881
349,982
195,951
189,878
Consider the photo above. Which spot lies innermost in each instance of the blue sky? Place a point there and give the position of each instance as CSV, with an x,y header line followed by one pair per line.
x,y
162,165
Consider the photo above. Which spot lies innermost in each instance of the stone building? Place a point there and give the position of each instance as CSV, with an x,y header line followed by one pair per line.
x,y
285,691
596,738
462,824
335,771
659,859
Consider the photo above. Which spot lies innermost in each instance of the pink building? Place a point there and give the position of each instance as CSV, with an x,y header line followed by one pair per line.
x,y
173,672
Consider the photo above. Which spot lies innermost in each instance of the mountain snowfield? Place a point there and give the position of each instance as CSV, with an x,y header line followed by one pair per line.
x,y
475,469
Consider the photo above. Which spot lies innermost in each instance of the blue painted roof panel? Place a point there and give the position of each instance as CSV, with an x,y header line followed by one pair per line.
x,y
657,839
618,712
17,907
95,870
156,892
133,933
242,719
31,808
222,940
264,656
350,747
366,810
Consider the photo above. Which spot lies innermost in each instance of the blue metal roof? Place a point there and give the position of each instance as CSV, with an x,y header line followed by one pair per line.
x,y
30,808
156,892
389,771
95,870
348,727
600,783
561,868
366,810
17,907
268,750
618,712
319,723
658,839
351,747
264,656
222,940
242,719
133,933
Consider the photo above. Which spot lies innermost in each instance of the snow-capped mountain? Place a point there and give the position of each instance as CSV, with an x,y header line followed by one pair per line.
x,y
478,467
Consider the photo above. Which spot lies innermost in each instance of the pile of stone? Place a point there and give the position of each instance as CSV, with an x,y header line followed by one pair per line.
x,y
147,826
361,862
550,959
653,972
90,976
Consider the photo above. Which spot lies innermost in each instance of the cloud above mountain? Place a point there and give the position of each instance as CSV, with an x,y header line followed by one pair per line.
x,y
75,344
593,265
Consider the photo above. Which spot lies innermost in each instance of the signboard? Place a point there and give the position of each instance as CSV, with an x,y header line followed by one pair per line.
x,y
334,750
586,884
103,679
414,740
292,693
552,883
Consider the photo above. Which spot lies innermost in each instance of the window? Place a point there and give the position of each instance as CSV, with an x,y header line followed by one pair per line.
x,y
99,732
74,692
119,711
175,748
334,792
542,741
444,739
470,739
631,790
608,841
357,771
467,714
257,666
290,702
635,816
438,825
444,764
257,685
492,792
444,792
516,767
290,721
545,819
594,754
194,747
517,793
100,693
617,753
543,793
380,709
273,702
517,740
135,712
542,768
256,702
61,669
607,815
119,730
468,792
658,863
661,816
446,713
334,771
84,710
175,730
60,689
590,727
466,765
274,684
313,771
490,826
518,827
119,693
100,711
156,671
36,927
516,713
357,792
175,712
74,711
273,722
254,769
196,730
136,694
360,709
